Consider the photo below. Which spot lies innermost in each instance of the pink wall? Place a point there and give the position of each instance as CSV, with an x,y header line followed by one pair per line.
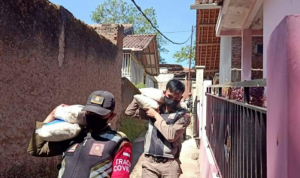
x,y
272,19
283,123
207,165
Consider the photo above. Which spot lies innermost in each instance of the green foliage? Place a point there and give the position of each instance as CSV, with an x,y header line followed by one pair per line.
x,y
120,12
184,54
140,85
133,127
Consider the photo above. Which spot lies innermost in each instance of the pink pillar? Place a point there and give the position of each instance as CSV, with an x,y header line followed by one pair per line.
x,y
283,119
246,54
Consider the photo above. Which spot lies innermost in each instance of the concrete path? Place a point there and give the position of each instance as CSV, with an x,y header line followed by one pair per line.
x,y
188,157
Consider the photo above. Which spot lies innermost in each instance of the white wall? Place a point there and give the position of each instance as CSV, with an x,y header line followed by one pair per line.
x,y
162,80
274,12
163,70
225,60
132,70
202,110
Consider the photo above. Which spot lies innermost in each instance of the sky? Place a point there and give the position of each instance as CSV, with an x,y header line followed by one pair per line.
x,y
172,16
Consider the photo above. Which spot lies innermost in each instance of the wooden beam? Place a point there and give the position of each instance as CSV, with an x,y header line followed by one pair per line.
x,y
156,56
148,53
207,25
239,33
215,57
252,13
150,58
206,57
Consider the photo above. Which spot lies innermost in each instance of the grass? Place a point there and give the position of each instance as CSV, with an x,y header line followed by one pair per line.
x,y
132,127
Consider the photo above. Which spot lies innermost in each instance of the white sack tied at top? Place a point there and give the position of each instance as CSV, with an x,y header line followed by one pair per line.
x,y
71,114
58,130
66,124
149,98
153,95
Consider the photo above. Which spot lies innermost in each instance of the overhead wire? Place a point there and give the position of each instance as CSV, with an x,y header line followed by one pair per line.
x,y
153,26
178,31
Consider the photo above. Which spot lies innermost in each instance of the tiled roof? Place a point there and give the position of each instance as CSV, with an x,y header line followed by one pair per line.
x,y
137,41
207,44
207,1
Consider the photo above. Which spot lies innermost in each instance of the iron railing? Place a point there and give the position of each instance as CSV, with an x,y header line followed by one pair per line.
x,y
236,132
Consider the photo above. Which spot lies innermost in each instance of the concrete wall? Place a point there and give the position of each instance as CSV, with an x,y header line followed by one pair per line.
x,y
271,19
131,126
162,80
283,159
208,167
225,60
257,60
47,57
149,81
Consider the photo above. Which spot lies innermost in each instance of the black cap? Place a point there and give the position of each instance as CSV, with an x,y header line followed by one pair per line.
x,y
100,102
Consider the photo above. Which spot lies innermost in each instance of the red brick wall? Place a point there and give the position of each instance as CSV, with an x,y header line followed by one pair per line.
x,y
47,57
257,60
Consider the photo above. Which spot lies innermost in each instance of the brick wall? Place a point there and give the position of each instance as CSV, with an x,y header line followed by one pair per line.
x,y
47,57
257,60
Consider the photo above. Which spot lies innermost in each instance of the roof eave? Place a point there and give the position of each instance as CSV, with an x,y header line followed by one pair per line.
x,y
205,6
133,49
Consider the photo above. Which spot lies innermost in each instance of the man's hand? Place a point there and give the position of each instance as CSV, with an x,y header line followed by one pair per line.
x,y
51,117
152,113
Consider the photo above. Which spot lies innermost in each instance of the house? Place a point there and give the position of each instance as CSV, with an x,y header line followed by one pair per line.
x,y
140,56
258,52
140,59
128,29
175,71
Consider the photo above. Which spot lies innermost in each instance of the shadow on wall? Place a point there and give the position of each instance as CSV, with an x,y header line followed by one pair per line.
x,y
132,127
47,57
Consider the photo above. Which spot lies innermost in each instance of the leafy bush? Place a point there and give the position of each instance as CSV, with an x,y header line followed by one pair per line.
x,y
140,85
132,127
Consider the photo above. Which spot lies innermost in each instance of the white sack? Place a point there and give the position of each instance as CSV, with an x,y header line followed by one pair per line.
x,y
58,130
153,93
71,114
144,102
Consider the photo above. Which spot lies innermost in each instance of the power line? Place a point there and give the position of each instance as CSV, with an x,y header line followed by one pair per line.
x,y
155,27
178,31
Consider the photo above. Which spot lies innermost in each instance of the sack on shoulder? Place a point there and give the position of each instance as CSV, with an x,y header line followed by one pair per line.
x,y
144,102
153,93
71,114
58,130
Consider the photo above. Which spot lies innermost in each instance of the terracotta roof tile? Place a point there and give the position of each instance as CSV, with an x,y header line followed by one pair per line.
x,y
207,1
137,41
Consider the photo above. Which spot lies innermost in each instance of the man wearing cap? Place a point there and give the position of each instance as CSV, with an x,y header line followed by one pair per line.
x,y
98,151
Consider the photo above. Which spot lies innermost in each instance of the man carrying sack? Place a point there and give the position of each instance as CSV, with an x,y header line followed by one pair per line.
x,y
98,151
166,127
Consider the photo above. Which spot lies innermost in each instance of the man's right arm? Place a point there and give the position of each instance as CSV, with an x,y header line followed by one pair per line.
x,y
133,110
40,148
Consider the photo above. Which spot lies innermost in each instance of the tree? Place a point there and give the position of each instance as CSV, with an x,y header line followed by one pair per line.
x,y
120,12
184,54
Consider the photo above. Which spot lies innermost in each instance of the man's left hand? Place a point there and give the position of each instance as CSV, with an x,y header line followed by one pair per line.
x,y
152,112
